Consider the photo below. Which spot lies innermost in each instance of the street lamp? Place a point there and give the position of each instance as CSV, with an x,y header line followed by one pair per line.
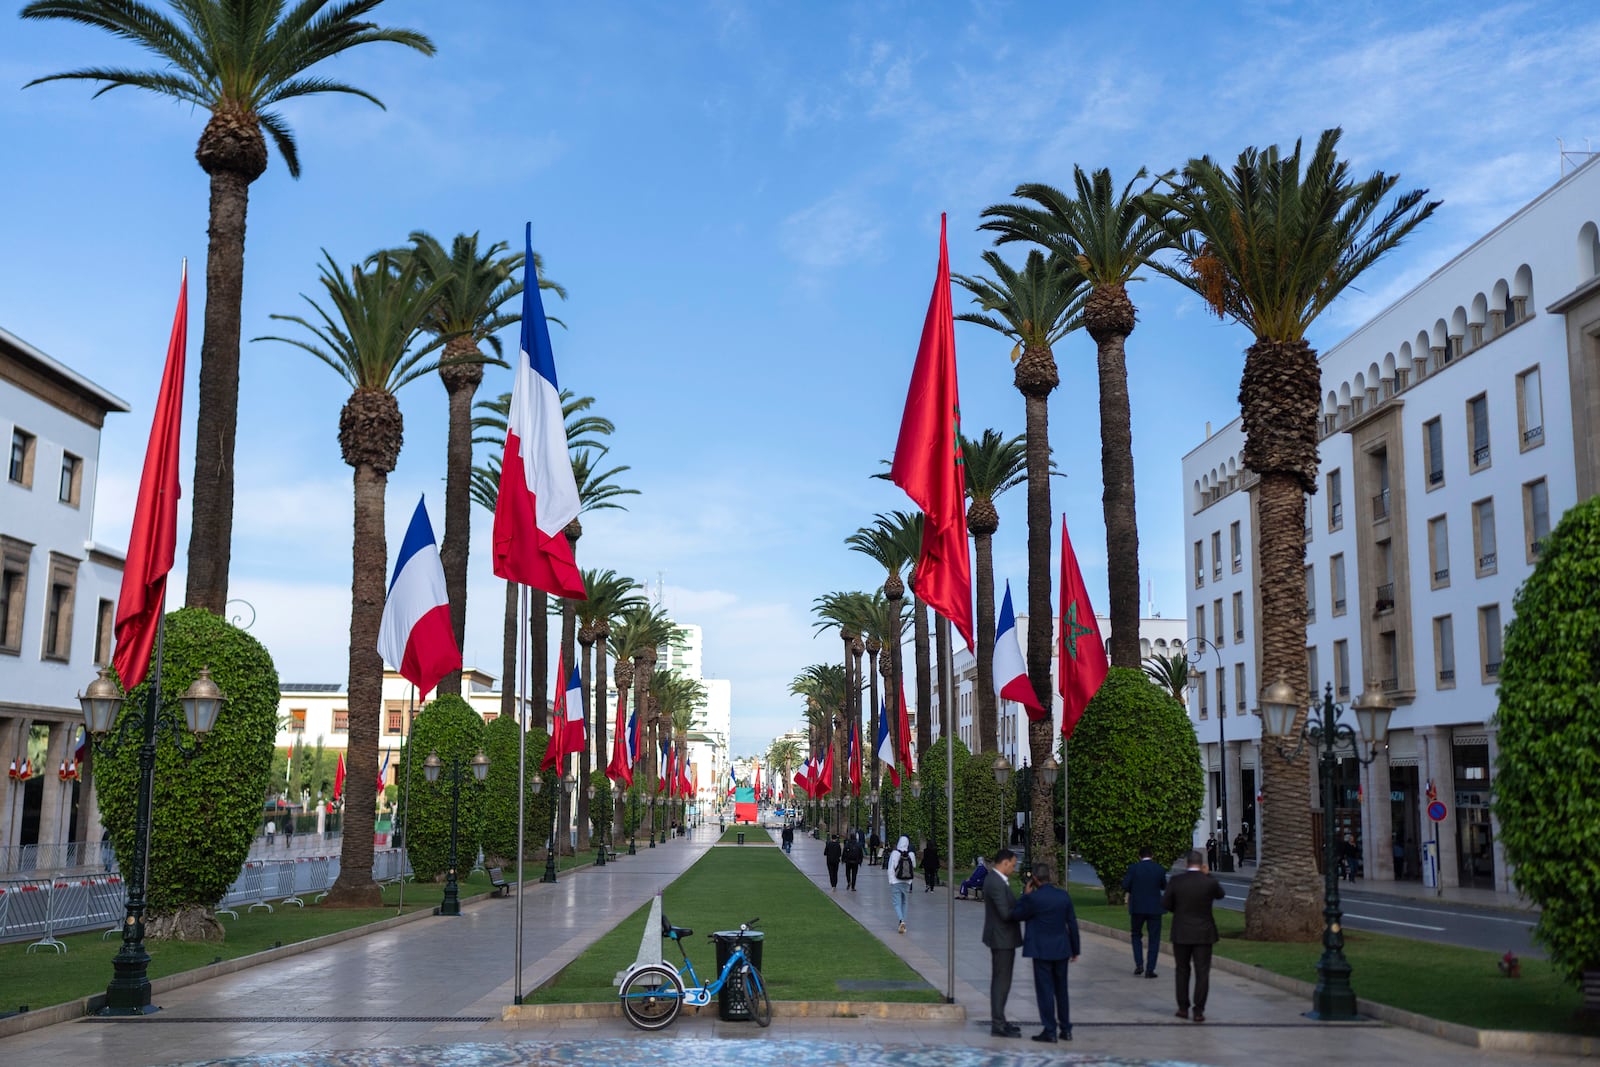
x,y
1049,770
650,810
633,820
451,905
1002,774
1195,655
128,992
1333,999
600,851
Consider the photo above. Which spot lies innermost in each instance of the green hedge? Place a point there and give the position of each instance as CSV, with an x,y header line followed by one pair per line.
x,y
206,809
1135,777
1549,735
977,806
451,728
499,801
600,810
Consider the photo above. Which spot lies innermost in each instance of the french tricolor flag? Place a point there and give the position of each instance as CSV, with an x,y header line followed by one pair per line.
x,y
415,635
538,494
885,745
1010,672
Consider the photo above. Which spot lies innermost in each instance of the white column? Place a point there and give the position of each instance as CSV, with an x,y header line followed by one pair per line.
x,y
1231,778
13,746
52,826
1260,824
1436,761
1377,820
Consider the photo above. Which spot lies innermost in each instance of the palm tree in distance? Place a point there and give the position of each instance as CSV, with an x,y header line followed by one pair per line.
x,y
1271,246
824,687
610,595
884,543
639,635
236,59
1109,237
993,465
367,336
884,627
783,756
1169,670
1035,308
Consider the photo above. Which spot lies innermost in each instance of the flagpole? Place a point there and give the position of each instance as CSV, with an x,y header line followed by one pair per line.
x,y
520,707
405,800
950,838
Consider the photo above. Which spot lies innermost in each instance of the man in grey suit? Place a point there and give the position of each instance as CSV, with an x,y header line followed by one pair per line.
x,y
1189,898
1003,935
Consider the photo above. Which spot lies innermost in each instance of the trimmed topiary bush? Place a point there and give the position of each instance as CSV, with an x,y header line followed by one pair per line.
x,y
451,728
1134,777
1549,738
499,800
206,809
977,807
600,809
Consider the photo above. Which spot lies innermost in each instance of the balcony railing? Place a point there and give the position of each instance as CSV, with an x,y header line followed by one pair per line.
x,y
1386,591
1447,675
1241,707
1344,690
1238,635
1390,684
1336,514
1480,455
1442,574
1385,599
1238,561
1311,613
1338,605
1536,546
1492,668
1487,561
1435,477
1380,505
1533,433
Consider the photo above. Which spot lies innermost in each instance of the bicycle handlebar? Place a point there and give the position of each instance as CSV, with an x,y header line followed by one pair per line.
x,y
745,928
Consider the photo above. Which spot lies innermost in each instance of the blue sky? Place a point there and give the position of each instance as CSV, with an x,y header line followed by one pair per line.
x,y
743,200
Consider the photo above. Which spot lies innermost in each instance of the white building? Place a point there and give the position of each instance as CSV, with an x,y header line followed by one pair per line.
x,y
58,589
1458,425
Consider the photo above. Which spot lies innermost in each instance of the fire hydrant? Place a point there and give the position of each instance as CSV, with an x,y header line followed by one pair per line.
x,y
1510,966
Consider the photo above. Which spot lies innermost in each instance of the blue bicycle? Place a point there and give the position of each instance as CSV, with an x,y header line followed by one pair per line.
x,y
653,995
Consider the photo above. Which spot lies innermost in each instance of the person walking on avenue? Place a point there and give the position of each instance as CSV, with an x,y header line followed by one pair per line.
x,y
1050,939
1003,936
1351,856
831,852
902,864
930,865
1211,851
1189,897
852,861
1143,883
787,837
874,844
272,831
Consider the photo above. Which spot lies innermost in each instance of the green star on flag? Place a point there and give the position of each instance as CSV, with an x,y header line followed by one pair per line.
x,y
1081,662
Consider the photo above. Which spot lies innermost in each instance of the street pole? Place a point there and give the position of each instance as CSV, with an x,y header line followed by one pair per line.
x,y
1224,854
451,904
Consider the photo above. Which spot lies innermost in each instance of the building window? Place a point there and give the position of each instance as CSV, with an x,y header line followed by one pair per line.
x,y
1237,545
1199,565
1238,686
297,720
1238,617
21,467
1536,516
1216,555
1311,671
1483,536
1335,501
1308,518
1336,566
1200,622
1433,451
1341,667
1489,637
1384,602
1216,620
1311,594
58,603
14,556
1439,552
1478,432
1444,652
394,721
1530,409
1389,653
1200,690
1380,499
341,720
105,622
71,479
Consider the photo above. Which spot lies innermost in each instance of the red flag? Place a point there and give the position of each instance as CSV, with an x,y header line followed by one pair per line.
x,y
338,778
907,762
154,536
855,761
618,770
555,750
1081,655
684,780
928,465
758,782
825,778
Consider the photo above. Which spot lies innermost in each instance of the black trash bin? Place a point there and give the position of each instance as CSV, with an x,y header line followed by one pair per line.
x,y
739,836
731,1005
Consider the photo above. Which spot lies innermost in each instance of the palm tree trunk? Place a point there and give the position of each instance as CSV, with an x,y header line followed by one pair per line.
x,y
643,667
1116,476
217,423
461,382
919,619
1036,377
872,680
508,655
592,727
988,732
601,713
354,887
897,685
539,657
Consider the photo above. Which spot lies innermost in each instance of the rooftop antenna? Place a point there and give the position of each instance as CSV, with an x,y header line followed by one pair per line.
x,y
1571,157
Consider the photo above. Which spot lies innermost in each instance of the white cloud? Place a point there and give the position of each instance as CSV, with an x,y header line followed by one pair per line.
x,y
839,230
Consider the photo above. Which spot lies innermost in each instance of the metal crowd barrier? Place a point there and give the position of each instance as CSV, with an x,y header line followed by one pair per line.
x,y
47,858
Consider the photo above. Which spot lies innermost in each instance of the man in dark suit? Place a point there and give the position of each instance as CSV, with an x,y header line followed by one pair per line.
x,y
1050,939
1143,883
831,852
1189,897
1003,936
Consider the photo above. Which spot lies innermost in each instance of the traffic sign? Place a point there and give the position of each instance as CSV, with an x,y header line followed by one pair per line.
x,y
1436,811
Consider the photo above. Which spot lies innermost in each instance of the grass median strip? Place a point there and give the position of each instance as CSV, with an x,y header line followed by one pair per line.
x,y
753,835
1446,982
809,944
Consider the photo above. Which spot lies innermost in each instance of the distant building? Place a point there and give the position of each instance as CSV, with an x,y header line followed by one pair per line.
x,y
58,591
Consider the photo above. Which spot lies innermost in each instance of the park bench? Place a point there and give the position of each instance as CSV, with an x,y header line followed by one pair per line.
x,y
497,878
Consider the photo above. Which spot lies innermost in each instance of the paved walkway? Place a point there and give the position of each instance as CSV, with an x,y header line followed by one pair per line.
x,y
430,992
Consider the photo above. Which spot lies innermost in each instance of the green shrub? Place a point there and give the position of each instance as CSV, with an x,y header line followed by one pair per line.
x,y
451,728
499,801
206,809
1134,777
600,810
1549,736
977,807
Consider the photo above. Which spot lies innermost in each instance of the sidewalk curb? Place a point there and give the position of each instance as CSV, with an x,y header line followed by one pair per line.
x,y
1527,1042
810,1009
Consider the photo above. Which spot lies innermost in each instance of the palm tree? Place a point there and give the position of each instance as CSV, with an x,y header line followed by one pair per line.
x,y
825,689
783,755
682,700
377,315
882,542
884,626
1271,245
1169,670
641,632
236,59
1108,236
1034,307
609,595
993,465
469,312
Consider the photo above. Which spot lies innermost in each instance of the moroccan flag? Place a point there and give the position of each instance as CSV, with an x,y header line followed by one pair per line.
x,y
338,778
928,464
1082,662
825,778
758,781
855,761
154,536
620,769
907,760
1010,672
538,493
553,752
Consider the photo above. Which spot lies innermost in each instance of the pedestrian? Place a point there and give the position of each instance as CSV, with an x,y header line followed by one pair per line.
x,y
1238,847
288,832
787,837
902,865
272,831
1211,851
852,861
1143,883
832,852
874,843
1003,937
975,879
1050,939
1189,898
1351,855
1399,858
930,865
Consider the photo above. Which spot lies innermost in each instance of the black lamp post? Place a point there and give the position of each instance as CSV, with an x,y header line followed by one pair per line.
x,y
1195,655
633,821
1002,774
128,993
650,811
600,851
451,904
1333,999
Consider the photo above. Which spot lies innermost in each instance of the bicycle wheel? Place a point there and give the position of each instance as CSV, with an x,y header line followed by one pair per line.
x,y
652,997
755,996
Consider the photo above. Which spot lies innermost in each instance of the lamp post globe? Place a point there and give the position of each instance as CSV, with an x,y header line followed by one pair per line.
x,y
201,703
101,703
